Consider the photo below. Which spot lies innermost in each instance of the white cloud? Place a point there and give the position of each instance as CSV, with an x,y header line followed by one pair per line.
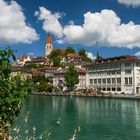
x,y
137,54
104,28
134,3
60,41
13,28
90,55
50,21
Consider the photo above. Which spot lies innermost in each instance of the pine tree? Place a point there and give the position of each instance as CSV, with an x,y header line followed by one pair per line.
x,y
98,56
82,53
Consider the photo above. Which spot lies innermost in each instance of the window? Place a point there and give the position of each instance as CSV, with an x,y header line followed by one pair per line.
x,y
108,89
113,81
104,81
108,72
103,89
95,81
113,72
113,89
127,71
118,72
118,80
91,81
113,65
99,81
118,89
130,80
108,80
118,65
127,64
126,81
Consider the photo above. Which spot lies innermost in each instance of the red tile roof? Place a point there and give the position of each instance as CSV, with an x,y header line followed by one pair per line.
x,y
36,72
64,70
73,55
116,59
39,59
49,39
21,59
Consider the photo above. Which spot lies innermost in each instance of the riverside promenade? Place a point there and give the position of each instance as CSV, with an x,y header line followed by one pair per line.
x,y
71,94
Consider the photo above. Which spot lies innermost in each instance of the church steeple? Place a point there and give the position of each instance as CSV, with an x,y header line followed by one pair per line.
x,y
49,39
49,45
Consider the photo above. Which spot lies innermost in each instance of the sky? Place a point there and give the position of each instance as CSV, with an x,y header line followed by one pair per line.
x,y
111,27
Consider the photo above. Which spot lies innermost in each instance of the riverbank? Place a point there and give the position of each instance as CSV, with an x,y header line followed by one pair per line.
x,y
132,97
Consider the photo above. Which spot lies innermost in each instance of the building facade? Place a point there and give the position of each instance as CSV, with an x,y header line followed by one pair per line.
x,y
58,77
116,75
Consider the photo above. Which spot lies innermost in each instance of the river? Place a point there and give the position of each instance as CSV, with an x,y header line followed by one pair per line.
x,y
98,119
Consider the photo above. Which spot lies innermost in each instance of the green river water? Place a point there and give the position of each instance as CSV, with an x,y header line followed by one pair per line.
x,y
99,119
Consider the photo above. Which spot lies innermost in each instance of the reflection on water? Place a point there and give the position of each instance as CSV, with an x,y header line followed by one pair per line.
x,y
99,119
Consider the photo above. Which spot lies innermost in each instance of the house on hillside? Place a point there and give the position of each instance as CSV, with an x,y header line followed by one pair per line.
x,y
20,70
58,78
22,60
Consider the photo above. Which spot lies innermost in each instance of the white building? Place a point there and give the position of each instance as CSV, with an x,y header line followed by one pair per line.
x,y
22,60
116,75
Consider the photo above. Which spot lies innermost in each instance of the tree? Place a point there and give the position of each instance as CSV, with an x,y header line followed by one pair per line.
x,y
55,57
56,61
71,78
69,50
40,79
5,66
12,91
98,56
82,53
55,53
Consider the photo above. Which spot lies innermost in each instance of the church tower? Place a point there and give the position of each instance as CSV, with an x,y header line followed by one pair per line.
x,y
49,45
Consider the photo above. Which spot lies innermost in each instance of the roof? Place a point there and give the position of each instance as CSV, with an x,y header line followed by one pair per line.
x,y
16,68
39,59
73,55
81,70
115,59
36,72
64,70
21,59
49,39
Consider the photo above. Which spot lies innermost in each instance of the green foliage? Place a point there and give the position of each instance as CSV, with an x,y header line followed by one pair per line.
x,y
55,57
40,79
41,83
33,65
82,53
71,78
12,91
44,86
69,50
5,67
56,61
54,53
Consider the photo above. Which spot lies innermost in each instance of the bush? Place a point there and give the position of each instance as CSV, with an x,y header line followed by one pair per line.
x,y
40,79
12,92
44,86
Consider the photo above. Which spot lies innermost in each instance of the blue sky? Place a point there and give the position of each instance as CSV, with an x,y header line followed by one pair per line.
x,y
105,28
